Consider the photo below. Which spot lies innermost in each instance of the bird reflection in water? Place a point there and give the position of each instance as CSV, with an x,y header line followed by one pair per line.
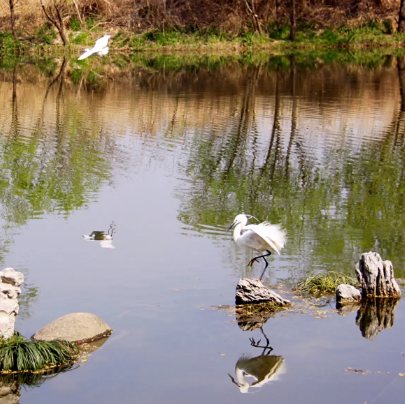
x,y
263,368
105,238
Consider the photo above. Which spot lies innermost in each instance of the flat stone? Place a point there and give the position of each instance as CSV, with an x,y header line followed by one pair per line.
x,y
347,294
11,276
255,291
75,327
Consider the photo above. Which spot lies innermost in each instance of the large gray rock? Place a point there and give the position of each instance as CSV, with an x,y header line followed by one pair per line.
x,y
376,276
11,276
346,294
255,291
75,327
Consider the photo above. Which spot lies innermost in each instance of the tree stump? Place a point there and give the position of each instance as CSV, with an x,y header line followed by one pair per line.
x,y
250,291
376,277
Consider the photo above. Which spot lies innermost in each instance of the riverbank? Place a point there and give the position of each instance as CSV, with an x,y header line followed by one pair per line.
x,y
46,40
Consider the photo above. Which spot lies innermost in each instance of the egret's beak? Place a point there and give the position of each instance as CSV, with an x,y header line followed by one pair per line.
x,y
230,227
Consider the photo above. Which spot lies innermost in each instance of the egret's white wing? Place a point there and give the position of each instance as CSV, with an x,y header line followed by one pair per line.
x,y
272,234
86,54
99,47
101,42
103,52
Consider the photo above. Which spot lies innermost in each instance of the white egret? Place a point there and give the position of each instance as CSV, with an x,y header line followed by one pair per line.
x,y
100,48
260,237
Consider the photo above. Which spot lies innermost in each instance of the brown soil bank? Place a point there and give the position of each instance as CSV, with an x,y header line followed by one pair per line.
x,y
231,16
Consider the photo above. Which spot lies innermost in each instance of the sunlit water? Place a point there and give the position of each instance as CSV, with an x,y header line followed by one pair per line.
x,y
171,156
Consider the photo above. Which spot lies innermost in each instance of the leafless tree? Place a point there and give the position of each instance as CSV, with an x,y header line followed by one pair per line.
x,y
54,11
12,4
401,17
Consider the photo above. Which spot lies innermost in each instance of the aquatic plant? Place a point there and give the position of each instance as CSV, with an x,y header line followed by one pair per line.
x,y
17,354
324,283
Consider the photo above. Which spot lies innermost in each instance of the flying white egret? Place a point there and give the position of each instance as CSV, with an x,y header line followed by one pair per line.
x,y
260,237
100,48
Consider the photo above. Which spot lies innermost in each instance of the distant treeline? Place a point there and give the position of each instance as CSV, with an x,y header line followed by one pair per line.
x,y
22,17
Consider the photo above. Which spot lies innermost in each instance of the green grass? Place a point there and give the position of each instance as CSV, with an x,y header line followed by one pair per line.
x,y
324,283
373,35
18,354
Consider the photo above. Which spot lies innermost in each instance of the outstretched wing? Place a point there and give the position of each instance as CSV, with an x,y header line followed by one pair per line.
x,y
101,43
272,234
86,54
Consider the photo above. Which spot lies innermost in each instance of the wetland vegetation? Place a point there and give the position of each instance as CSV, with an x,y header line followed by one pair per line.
x,y
202,25
177,145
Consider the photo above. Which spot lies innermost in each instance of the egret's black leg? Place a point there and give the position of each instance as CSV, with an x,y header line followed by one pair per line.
x,y
261,256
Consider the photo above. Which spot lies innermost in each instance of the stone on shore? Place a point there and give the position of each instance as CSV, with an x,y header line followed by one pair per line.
x,y
250,291
347,294
74,327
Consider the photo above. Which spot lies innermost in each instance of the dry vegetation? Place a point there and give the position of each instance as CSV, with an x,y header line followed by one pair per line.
x,y
230,16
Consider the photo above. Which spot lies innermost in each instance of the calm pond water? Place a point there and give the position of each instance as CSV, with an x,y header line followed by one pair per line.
x,y
171,149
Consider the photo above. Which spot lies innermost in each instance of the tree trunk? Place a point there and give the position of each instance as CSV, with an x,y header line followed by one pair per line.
x,y
401,76
57,21
293,20
401,17
11,4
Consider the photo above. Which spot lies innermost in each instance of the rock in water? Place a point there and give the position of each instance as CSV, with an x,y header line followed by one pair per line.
x,y
75,327
10,281
376,277
347,294
250,291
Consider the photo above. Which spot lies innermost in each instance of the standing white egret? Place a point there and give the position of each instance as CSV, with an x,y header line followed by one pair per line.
x,y
260,237
100,48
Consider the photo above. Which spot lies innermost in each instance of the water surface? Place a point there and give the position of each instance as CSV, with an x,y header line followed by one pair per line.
x,y
171,152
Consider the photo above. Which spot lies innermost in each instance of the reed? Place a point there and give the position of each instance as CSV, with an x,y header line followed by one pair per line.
x,y
17,354
324,283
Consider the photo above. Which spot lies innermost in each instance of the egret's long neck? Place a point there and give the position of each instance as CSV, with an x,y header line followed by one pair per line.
x,y
237,231
240,377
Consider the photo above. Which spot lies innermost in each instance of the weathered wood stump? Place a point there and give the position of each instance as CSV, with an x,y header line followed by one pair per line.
x,y
376,277
250,291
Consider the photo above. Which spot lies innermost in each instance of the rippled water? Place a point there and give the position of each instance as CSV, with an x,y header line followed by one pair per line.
x,y
171,153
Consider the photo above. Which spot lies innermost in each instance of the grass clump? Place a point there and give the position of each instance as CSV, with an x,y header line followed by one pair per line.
x,y
324,283
18,354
